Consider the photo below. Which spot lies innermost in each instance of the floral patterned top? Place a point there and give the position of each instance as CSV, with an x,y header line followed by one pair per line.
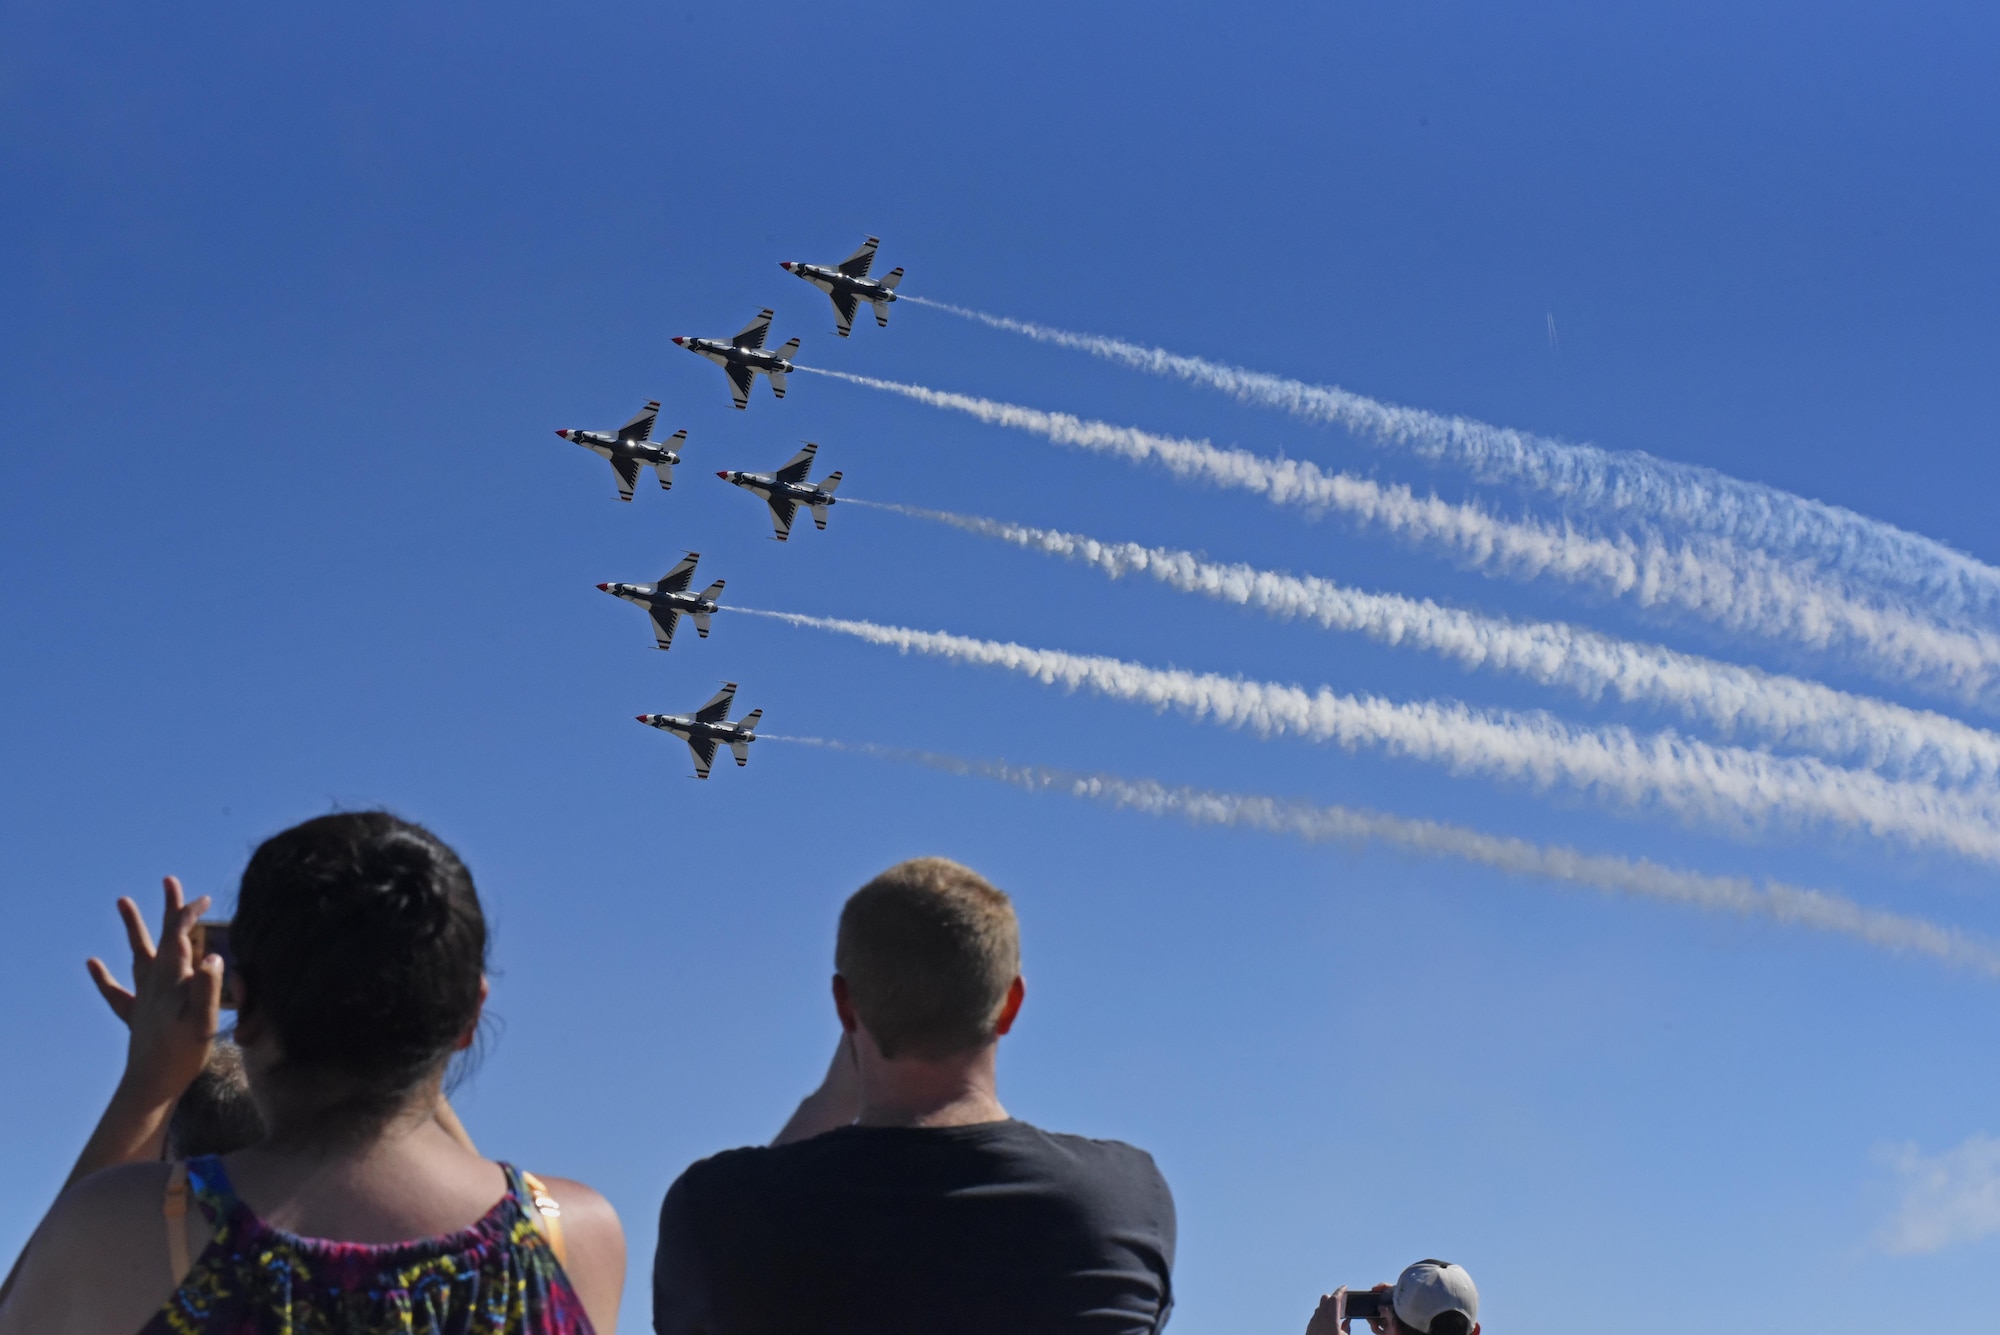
x,y
498,1277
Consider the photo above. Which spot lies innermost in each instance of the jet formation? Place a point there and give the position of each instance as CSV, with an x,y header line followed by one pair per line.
x,y
787,489
631,449
667,599
708,729
848,284
743,357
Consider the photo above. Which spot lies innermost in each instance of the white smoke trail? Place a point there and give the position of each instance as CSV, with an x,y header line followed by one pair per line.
x,y
1725,786
1585,476
1745,591
1790,711
1612,875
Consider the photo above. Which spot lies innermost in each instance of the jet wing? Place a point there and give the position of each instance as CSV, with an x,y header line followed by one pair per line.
x,y
628,476
641,425
783,512
682,575
741,378
752,335
664,621
717,709
857,264
844,306
704,755
798,465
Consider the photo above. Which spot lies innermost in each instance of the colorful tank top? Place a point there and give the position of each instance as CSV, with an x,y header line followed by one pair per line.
x,y
498,1277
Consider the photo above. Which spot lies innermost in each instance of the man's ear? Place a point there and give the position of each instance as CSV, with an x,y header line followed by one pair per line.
x,y
471,1034
1017,992
843,1005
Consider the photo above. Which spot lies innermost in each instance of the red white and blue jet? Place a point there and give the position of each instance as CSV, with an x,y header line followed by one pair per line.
x,y
631,448
848,284
708,729
667,599
787,489
743,357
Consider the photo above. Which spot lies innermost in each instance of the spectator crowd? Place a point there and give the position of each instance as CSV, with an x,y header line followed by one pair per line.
x,y
279,1156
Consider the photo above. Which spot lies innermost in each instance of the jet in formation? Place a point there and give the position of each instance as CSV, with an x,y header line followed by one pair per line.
x,y
849,285
787,489
666,600
632,447
743,356
709,728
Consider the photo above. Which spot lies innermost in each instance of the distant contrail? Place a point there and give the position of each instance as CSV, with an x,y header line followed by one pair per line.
x,y
1725,786
1745,591
1586,476
1790,711
1611,875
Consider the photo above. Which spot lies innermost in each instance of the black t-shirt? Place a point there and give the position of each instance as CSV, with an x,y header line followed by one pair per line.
x,y
995,1229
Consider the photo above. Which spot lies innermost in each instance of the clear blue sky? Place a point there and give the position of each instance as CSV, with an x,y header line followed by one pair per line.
x,y
295,300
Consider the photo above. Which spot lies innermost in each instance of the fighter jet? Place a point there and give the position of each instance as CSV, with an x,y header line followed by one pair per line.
x,y
787,489
743,356
667,599
631,447
709,727
849,285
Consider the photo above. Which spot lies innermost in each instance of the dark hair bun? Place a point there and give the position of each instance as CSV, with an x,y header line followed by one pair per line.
x,y
360,940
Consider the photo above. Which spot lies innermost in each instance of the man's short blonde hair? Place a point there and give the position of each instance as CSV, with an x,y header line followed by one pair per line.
x,y
929,950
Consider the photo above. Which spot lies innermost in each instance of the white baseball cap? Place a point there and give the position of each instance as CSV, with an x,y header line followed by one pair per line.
x,y
1431,1288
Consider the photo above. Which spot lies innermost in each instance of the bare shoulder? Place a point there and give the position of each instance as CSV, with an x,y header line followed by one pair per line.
x,y
586,1215
99,1259
596,1245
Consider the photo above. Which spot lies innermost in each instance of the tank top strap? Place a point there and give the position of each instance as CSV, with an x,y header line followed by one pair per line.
x,y
539,1207
209,1183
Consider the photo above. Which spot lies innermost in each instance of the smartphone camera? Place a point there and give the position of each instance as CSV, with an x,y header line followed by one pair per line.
x,y
212,938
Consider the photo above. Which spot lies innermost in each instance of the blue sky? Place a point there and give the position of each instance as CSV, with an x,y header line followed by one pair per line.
x,y
297,299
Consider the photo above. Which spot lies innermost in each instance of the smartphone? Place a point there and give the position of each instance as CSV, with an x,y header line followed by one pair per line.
x,y
212,938
1365,1305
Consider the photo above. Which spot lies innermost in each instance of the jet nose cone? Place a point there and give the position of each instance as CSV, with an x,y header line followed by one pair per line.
x,y
784,264
680,340
722,473
563,431
642,717
605,587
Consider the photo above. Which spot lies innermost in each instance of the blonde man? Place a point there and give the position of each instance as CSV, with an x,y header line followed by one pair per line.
x,y
901,1197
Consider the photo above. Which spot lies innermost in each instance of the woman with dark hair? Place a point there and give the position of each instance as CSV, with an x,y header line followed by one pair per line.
x,y
361,953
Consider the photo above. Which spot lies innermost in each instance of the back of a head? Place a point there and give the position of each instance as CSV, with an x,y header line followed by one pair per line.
x,y
361,944
929,950
215,1114
1435,1297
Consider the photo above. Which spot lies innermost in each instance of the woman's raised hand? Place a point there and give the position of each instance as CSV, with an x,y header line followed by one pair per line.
x,y
174,1003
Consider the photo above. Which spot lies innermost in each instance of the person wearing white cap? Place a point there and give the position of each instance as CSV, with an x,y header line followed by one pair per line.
x,y
1431,1297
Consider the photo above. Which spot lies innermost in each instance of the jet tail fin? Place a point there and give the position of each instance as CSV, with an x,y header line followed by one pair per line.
x,y
742,750
893,277
829,484
790,350
749,722
666,472
778,383
881,315
819,518
713,591
700,620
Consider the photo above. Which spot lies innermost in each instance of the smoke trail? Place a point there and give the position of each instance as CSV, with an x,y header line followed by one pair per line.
x,y
1791,711
1584,476
1612,875
1745,591
1726,786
